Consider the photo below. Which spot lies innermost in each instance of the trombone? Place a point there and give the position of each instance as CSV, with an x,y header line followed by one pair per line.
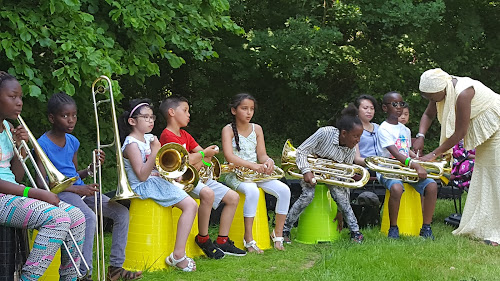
x,y
57,182
172,162
102,86
327,171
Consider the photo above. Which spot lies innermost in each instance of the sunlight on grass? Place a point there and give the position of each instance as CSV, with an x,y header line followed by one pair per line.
x,y
411,258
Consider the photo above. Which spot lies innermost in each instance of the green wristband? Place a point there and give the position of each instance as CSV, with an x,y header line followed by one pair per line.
x,y
407,161
203,159
26,191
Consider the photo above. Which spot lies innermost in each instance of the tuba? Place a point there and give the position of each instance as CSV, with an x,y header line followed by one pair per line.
x,y
102,86
325,170
393,169
172,162
57,182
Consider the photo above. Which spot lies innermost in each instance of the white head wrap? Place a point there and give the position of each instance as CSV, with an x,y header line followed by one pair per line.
x,y
433,81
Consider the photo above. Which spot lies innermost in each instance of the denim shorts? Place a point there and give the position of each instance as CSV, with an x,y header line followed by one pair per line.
x,y
419,186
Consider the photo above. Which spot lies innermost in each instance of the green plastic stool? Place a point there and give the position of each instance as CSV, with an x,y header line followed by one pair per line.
x,y
316,222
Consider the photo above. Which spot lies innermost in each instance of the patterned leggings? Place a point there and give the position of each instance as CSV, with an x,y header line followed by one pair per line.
x,y
339,194
53,225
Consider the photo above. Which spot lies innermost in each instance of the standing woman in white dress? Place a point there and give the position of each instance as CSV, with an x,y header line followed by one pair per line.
x,y
467,109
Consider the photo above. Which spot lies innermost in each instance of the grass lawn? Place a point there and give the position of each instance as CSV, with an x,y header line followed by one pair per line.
x,y
410,258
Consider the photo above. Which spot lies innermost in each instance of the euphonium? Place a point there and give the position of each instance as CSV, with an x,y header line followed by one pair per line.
x,y
248,175
172,162
325,170
213,172
57,182
393,169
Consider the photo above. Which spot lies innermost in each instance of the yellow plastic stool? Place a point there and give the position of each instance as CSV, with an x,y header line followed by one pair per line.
x,y
150,237
52,272
410,212
316,223
260,228
192,250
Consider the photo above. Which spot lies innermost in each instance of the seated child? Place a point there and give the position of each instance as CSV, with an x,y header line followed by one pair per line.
x,y
337,144
394,141
62,149
211,193
243,144
32,208
139,153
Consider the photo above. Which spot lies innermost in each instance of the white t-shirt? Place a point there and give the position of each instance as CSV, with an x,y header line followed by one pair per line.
x,y
398,135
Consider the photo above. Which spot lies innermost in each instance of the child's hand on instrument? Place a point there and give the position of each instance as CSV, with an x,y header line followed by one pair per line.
x,y
259,168
422,173
211,150
269,164
155,145
87,190
44,195
100,155
310,179
19,134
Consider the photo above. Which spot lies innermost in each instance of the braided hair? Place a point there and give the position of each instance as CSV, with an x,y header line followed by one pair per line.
x,y
57,101
123,126
234,104
4,76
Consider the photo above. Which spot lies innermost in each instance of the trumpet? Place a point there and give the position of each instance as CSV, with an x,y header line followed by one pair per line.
x,y
393,169
325,170
172,162
102,86
57,182
248,175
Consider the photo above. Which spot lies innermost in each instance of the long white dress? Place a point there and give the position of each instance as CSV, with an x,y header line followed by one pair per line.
x,y
482,208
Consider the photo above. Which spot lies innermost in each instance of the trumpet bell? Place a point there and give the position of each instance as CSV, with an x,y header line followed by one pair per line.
x,y
172,160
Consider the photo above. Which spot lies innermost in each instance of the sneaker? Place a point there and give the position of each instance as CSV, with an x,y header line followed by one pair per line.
x,y
229,249
426,232
393,232
210,250
357,237
286,237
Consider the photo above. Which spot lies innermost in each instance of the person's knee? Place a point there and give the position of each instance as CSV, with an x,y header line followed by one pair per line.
x,y
252,194
231,198
207,195
396,190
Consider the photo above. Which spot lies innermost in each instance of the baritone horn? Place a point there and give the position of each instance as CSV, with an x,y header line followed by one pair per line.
x,y
172,162
102,86
57,182
393,169
244,174
325,170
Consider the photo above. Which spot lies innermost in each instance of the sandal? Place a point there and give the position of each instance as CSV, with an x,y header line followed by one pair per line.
x,y
490,243
277,239
116,273
191,266
252,245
